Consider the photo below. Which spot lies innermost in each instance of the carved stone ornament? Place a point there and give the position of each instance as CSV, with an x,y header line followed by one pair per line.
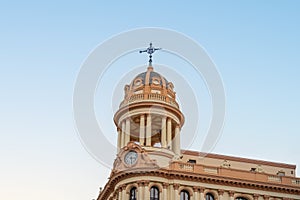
x,y
143,161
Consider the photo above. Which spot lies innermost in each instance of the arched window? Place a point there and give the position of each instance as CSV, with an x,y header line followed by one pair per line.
x,y
241,198
184,195
132,194
154,193
209,196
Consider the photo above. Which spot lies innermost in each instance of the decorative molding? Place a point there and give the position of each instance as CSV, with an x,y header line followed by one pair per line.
x,y
116,178
146,183
165,185
176,186
220,192
266,197
196,189
158,185
201,189
255,196
143,161
140,183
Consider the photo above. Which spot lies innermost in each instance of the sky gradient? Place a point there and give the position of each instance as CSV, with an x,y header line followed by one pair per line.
x,y
255,46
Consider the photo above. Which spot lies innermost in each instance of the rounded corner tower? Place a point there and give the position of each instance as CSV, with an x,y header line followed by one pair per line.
x,y
150,165
149,116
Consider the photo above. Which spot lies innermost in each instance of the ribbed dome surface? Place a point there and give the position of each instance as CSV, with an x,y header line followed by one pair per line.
x,y
148,78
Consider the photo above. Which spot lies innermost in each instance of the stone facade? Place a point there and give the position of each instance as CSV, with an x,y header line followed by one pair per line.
x,y
151,165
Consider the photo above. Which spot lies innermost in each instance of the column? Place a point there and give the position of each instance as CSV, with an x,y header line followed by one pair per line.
x,y
169,133
142,130
120,193
176,141
146,190
220,192
127,131
148,131
231,195
255,196
266,197
165,191
164,132
176,194
196,194
140,190
119,140
123,192
201,193
171,192
123,134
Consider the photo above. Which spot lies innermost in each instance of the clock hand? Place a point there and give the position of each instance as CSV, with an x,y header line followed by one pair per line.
x,y
131,159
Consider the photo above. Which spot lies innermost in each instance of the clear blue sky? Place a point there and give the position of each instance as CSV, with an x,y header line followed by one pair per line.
x,y
255,46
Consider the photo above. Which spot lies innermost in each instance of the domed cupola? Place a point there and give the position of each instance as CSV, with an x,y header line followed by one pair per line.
x,y
152,86
149,114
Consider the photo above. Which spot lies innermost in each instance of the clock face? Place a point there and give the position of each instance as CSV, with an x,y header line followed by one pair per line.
x,y
131,158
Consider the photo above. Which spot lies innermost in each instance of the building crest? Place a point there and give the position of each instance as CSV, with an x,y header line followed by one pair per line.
x,y
133,157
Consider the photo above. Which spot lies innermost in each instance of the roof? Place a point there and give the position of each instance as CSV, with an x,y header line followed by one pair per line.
x,y
238,159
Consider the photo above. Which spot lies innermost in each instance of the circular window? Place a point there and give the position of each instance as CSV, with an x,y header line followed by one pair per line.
x,y
156,81
137,82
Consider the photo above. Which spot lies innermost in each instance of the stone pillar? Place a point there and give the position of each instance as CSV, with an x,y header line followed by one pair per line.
x,y
127,131
123,192
169,133
119,140
255,196
142,130
149,130
196,193
266,197
231,195
220,192
163,132
123,135
176,194
146,190
165,191
176,141
140,190
201,193
171,192
120,193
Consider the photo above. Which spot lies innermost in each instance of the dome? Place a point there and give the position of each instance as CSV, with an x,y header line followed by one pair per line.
x,y
149,85
149,77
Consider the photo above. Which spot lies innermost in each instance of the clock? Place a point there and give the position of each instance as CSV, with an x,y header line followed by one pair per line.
x,y
131,158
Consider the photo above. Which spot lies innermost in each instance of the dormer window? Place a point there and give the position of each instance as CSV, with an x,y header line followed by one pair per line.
x,y
155,81
191,161
280,173
137,82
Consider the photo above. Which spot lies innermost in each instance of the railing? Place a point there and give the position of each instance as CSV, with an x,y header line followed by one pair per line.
x,y
149,97
186,166
274,178
296,181
235,173
211,170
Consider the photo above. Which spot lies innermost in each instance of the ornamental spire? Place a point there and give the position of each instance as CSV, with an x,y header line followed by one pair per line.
x,y
150,50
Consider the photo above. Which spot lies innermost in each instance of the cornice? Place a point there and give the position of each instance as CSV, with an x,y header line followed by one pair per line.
x,y
212,179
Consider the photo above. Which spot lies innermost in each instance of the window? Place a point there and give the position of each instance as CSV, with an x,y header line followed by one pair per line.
x,y
132,194
184,195
241,198
280,173
192,161
209,196
154,193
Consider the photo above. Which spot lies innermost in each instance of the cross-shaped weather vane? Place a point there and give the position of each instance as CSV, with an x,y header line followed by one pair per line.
x,y
150,50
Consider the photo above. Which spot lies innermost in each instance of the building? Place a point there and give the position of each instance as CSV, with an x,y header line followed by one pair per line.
x,y
151,165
